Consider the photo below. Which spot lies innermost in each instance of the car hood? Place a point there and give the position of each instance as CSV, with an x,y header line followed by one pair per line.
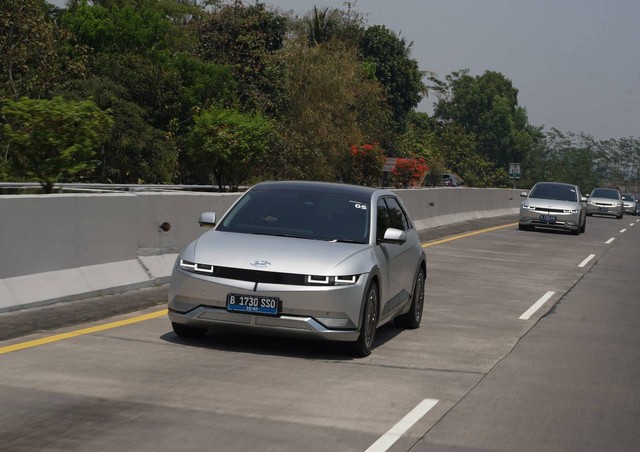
x,y
279,254
552,204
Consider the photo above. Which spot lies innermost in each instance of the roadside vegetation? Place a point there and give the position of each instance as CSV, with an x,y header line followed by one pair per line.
x,y
228,93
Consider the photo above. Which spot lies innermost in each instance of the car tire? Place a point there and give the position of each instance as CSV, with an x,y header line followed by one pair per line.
x,y
522,227
364,344
412,318
188,331
584,226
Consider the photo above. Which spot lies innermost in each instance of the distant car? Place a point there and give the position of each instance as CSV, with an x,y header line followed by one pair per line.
x,y
304,259
605,201
553,205
629,204
451,180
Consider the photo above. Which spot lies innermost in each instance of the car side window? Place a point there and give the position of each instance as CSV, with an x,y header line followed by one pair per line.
x,y
397,215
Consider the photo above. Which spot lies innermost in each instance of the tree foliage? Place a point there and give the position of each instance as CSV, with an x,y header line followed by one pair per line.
x,y
394,68
231,144
246,38
173,72
486,106
36,53
332,105
52,140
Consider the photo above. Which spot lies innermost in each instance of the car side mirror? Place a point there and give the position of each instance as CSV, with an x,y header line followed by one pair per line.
x,y
207,219
394,236
523,194
583,199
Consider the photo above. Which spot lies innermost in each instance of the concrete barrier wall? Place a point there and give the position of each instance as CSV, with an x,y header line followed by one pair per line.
x,y
62,246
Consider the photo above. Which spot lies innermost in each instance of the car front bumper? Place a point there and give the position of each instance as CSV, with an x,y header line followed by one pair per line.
x,y
331,312
553,220
604,210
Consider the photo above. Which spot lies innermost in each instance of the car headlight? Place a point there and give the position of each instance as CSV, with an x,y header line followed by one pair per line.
x,y
526,206
313,280
195,267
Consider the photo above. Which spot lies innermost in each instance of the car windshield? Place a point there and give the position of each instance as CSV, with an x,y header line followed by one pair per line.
x,y
628,198
605,193
307,215
556,192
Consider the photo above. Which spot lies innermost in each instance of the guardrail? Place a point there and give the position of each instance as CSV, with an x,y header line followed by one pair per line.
x,y
61,247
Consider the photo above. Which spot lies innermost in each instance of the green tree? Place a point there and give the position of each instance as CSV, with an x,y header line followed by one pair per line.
x,y
231,144
135,151
332,104
35,52
456,152
394,68
247,38
487,106
52,140
145,69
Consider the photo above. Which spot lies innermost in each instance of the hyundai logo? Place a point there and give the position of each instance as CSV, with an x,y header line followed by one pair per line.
x,y
260,264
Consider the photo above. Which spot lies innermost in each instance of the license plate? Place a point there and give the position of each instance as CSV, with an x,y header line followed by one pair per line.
x,y
548,218
602,209
253,304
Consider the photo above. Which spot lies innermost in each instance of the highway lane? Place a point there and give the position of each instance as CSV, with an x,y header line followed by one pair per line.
x,y
573,381
138,387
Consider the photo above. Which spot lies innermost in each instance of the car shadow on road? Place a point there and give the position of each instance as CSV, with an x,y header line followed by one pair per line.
x,y
230,341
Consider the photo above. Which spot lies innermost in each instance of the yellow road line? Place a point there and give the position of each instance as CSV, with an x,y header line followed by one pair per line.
x,y
467,234
93,329
163,312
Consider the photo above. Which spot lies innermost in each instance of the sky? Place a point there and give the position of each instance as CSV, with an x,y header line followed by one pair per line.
x,y
575,63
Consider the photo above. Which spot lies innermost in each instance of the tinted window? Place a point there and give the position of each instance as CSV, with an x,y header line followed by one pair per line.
x,y
309,215
555,191
391,215
605,193
398,216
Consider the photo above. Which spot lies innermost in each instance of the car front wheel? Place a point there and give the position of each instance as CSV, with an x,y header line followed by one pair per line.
x,y
413,318
364,344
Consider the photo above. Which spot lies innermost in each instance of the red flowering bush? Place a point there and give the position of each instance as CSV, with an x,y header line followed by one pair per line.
x,y
367,161
409,172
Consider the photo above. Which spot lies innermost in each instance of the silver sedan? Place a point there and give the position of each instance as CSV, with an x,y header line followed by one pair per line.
x,y
553,205
304,259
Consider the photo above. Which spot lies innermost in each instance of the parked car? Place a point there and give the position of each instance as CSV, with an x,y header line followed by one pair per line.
x,y
553,205
605,201
629,204
304,259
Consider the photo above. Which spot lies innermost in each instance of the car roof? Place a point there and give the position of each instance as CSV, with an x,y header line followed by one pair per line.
x,y
324,187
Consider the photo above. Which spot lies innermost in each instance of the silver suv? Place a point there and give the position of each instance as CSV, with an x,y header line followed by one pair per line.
x,y
629,204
